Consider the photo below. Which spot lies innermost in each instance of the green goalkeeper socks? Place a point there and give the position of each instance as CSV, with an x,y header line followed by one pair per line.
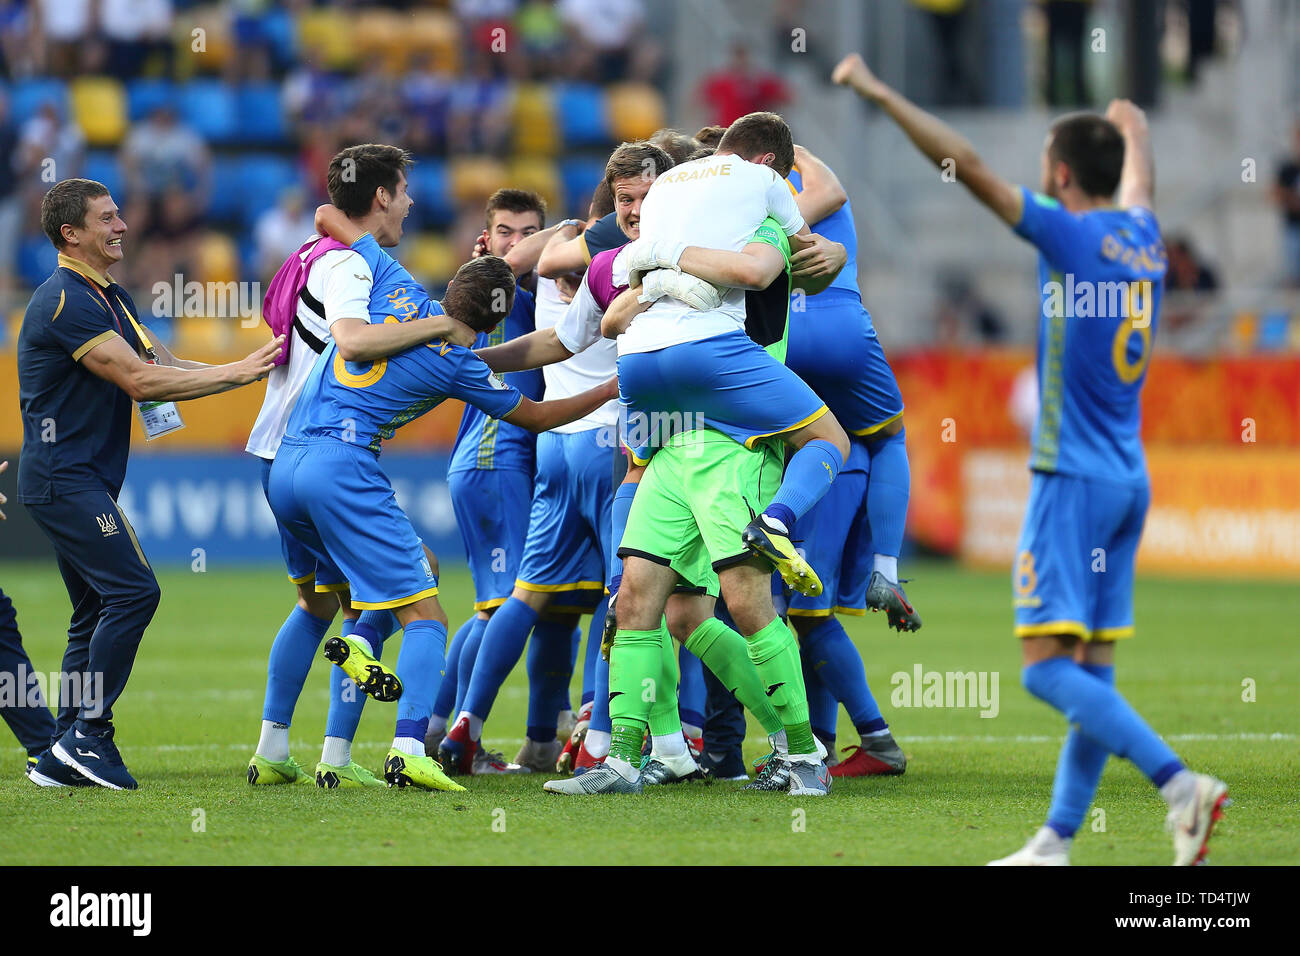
x,y
775,654
635,676
665,719
724,652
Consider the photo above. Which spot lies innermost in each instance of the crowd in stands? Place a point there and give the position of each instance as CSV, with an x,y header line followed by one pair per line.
x,y
213,125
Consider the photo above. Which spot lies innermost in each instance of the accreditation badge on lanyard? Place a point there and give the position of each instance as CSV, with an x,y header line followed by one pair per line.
x,y
157,418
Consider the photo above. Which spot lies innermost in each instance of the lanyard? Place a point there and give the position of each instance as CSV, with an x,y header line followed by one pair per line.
x,y
140,333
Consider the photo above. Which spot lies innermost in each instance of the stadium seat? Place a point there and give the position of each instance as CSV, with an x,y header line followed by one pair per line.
x,y
28,96
436,34
37,258
1274,330
143,96
208,106
214,52
325,36
474,178
533,121
430,259
429,186
281,36
635,111
261,114
103,167
579,177
262,178
380,34
540,176
224,204
218,258
99,108
200,335
581,110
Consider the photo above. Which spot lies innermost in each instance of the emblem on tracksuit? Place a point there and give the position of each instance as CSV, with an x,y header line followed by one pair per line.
x,y
107,525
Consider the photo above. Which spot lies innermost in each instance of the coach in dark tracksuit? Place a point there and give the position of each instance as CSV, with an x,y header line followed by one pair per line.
x,y
83,358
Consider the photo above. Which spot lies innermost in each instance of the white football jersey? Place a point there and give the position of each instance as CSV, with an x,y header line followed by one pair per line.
x,y
341,280
715,203
594,360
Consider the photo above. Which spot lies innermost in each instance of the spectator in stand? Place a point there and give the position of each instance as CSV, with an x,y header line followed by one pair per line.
x,y
162,152
1187,272
10,201
479,115
738,89
608,41
426,93
169,246
21,47
947,19
541,31
1286,193
281,230
49,148
963,317
136,31
64,25
1066,83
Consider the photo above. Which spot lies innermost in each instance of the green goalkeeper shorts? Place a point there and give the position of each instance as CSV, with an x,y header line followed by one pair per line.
x,y
695,499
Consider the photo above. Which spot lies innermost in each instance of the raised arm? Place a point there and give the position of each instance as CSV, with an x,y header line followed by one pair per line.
x,y
564,252
360,340
527,252
542,347
543,416
1137,179
822,193
115,361
938,141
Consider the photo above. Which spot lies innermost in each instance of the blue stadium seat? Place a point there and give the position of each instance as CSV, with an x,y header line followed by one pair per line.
x,y
37,258
227,188
261,117
143,96
1274,330
579,177
262,178
208,106
102,166
281,34
581,110
29,95
431,193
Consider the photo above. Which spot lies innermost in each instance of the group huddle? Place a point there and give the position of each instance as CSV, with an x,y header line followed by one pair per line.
x,y
690,421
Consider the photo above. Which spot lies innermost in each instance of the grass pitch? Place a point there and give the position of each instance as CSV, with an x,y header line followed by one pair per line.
x,y
975,787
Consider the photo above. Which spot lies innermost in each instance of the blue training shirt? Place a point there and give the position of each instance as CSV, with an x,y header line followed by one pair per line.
x,y
1101,278
838,227
483,442
364,403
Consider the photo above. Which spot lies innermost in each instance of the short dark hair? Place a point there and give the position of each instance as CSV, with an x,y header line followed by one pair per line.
x,y
1093,148
516,200
675,144
602,200
704,152
482,293
636,159
356,172
710,135
757,133
66,204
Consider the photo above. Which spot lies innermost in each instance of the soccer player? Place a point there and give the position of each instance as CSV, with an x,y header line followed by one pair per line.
x,y
83,360
1090,488
492,461
327,488
566,552
854,534
331,301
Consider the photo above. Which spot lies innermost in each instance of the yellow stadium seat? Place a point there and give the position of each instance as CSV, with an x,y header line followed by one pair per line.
x,y
325,36
539,176
208,51
436,34
634,111
382,35
474,178
536,132
218,259
200,334
99,106
431,259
